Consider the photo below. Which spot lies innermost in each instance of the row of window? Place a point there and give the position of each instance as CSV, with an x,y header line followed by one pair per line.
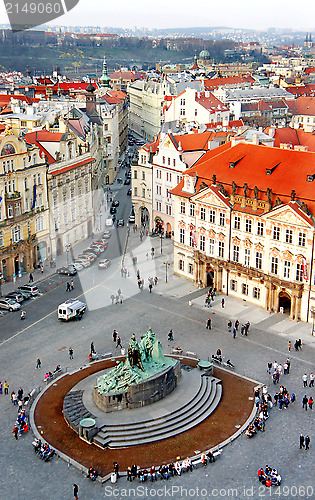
x,y
17,230
8,165
245,290
169,176
135,191
181,266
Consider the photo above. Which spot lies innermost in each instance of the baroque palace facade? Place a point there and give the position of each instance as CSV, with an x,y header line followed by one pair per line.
x,y
24,217
244,223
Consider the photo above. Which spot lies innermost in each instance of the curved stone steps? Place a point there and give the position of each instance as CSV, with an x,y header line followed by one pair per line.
x,y
203,387
180,428
74,409
184,418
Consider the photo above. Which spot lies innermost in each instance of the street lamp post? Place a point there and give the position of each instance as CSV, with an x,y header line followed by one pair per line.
x,y
167,264
161,237
68,246
313,316
1,276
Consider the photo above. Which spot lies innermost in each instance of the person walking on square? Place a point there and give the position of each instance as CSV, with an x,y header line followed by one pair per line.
x,y
38,363
234,333
112,298
222,303
310,402
302,440
312,380
269,366
6,387
290,345
92,348
307,442
246,328
118,343
15,432
115,335
71,284
31,279
304,378
150,287
70,353
236,324
75,491
208,324
68,289
304,402
229,325
170,335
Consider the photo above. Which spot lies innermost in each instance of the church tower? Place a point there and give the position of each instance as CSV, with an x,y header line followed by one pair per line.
x,y
105,80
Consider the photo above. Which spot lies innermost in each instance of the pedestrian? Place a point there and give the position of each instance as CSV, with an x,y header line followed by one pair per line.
x,y
139,284
92,348
311,380
14,398
302,440
138,274
118,344
117,299
246,328
242,330
75,491
304,378
290,345
307,442
289,364
234,333
31,279
112,298
236,324
296,345
156,280
118,291
115,335
170,335
121,298
208,324
1,390
68,289
229,325
269,366
38,363
15,432
122,272
20,394
310,402
150,287
292,399
222,303
152,252
71,284
70,353
304,402
6,387
147,255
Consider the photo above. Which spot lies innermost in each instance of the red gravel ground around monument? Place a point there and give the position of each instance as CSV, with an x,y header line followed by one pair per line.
x,y
233,409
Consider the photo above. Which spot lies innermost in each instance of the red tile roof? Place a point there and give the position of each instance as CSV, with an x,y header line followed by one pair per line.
x,y
304,106
295,137
290,171
71,166
211,103
215,83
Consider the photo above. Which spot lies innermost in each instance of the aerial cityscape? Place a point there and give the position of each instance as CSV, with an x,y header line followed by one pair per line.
x,y
157,252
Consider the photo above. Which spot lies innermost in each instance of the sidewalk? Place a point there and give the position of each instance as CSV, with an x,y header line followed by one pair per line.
x,y
234,308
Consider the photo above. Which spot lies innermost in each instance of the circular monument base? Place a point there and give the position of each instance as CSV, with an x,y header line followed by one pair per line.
x,y
141,394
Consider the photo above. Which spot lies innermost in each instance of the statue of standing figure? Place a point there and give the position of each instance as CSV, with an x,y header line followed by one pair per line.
x,y
134,353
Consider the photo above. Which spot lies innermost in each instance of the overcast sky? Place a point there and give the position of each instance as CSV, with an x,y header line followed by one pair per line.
x,y
183,13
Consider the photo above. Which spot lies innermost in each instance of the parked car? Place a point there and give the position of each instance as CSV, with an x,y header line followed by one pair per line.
x,y
129,192
91,251
120,222
91,258
67,270
115,203
9,304
82,262
97,247
25,295
127,181
32,289
104,264
102,242
17,296
77,266
71,309
132,219
112,210
106,235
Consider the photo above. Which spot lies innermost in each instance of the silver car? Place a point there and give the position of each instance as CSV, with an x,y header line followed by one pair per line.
x,y
9,304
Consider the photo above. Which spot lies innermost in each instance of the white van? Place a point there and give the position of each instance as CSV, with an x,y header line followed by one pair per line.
x,y
71,309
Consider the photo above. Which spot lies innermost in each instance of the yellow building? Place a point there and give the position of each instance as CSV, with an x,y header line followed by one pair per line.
x,y
24,223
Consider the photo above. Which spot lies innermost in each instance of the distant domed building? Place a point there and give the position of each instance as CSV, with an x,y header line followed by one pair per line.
x,y
204,59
